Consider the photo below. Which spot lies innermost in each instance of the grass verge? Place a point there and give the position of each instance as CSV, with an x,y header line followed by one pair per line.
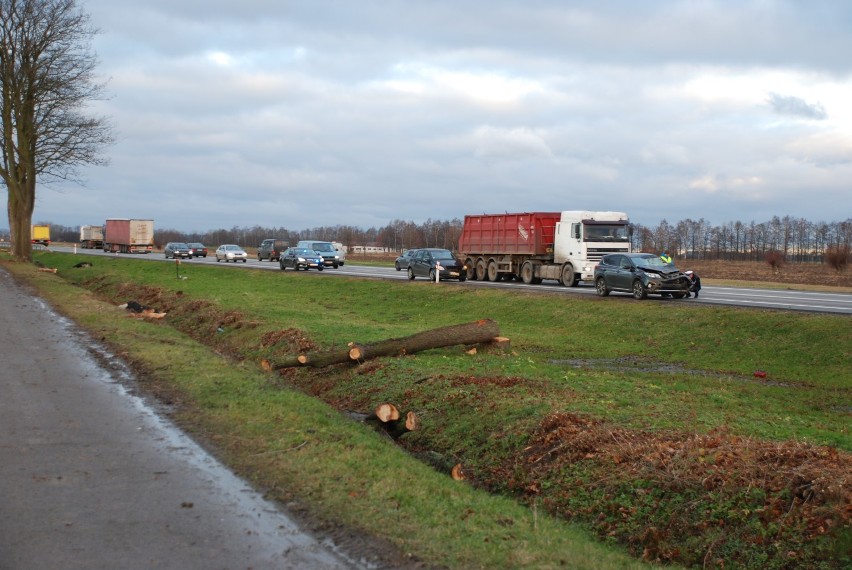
x,y
675,392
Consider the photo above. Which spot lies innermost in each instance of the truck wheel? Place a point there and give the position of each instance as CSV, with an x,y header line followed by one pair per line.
x,y
493,275
600,287
639,291
481,269
568,277
527,272
410,274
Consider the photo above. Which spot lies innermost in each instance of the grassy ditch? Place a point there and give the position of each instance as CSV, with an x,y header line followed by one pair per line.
x,y
642,422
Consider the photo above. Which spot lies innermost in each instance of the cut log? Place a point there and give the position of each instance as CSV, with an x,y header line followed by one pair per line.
x,y
477,332
457,472
384,413
401,426
442,463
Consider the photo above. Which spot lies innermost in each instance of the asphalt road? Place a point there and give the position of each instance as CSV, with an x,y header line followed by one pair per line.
x,y
808,301
91,477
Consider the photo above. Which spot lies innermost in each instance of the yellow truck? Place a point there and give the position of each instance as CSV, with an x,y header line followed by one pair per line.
x,y
40,234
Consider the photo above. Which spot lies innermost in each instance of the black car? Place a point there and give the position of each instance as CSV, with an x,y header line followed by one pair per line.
x,y
300,258
271,249
640,274
175,249
403,260
197,249
425,262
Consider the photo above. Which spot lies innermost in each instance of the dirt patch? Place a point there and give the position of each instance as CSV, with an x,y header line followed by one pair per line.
x,y
693,499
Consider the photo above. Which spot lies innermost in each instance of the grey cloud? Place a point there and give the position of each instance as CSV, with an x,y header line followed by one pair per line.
x,y
789,105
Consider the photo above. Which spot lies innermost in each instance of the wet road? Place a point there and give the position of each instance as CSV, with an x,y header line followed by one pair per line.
x,y
784,299
91,477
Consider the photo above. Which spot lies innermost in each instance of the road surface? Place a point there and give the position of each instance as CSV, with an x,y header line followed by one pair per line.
x,y
785,299
92,477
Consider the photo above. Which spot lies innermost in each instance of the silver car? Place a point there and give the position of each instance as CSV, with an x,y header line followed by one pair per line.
x,y
231,252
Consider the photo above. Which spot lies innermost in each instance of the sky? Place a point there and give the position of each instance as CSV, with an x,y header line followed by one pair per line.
x,y
301,114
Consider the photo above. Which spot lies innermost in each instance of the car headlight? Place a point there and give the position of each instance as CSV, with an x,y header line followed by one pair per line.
x,y
302,260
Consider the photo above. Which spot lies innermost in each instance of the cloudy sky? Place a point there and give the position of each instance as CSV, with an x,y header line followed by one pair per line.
x,y
334,112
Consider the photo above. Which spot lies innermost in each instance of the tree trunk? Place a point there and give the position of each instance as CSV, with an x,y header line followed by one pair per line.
x,y
20,208
481,331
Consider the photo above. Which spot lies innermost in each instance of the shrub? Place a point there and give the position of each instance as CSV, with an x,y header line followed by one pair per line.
x,y
775,259
837,257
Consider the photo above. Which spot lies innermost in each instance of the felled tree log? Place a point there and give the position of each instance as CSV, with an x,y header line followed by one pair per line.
x,y
480,331
442,463
386,417
401,426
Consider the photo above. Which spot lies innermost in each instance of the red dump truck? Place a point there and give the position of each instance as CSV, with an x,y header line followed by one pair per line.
x,y
532,246
123,235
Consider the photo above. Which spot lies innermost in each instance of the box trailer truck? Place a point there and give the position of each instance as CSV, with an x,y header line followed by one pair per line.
x,y
91,237
40,234
123,235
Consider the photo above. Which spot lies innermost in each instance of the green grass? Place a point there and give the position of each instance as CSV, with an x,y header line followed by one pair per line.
x,y
684,368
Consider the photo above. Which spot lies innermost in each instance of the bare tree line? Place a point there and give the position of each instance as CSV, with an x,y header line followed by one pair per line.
x,y
797,239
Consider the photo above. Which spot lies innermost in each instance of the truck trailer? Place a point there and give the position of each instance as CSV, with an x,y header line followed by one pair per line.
x,y
91,237
40,234
123,235
532,246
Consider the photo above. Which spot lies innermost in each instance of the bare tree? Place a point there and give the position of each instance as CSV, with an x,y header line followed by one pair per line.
x,y
47,75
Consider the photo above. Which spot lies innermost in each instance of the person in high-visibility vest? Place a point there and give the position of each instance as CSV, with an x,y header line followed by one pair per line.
x,y
666,258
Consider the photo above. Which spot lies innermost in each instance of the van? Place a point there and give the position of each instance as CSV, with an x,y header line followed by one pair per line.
x,y
271,249
330,255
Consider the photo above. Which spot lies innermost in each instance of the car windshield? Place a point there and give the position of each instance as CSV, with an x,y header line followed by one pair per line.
x,y
602,232
304,251
196,245
443,254
649,262
179,245
323,247
233,248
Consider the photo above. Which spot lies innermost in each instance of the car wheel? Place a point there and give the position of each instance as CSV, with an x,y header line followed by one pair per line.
x,y
462,279
244,260
396,266
282,266
320,268
600,287
218,260
336,265
410,274
639,291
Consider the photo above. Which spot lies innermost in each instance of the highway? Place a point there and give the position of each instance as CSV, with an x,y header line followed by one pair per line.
x,y
782,299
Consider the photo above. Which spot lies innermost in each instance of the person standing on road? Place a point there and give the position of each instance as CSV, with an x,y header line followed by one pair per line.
x,y
694,283
666,258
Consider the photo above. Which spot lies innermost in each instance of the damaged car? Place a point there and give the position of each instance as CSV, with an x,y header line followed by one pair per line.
x,y
640,274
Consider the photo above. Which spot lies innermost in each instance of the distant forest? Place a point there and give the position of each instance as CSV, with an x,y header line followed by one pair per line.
x,y
797,239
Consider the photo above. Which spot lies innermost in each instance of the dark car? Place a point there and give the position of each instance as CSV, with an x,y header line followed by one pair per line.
x,y
197,249
403,260
640,274
425,262
175,249
300,258
271,249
